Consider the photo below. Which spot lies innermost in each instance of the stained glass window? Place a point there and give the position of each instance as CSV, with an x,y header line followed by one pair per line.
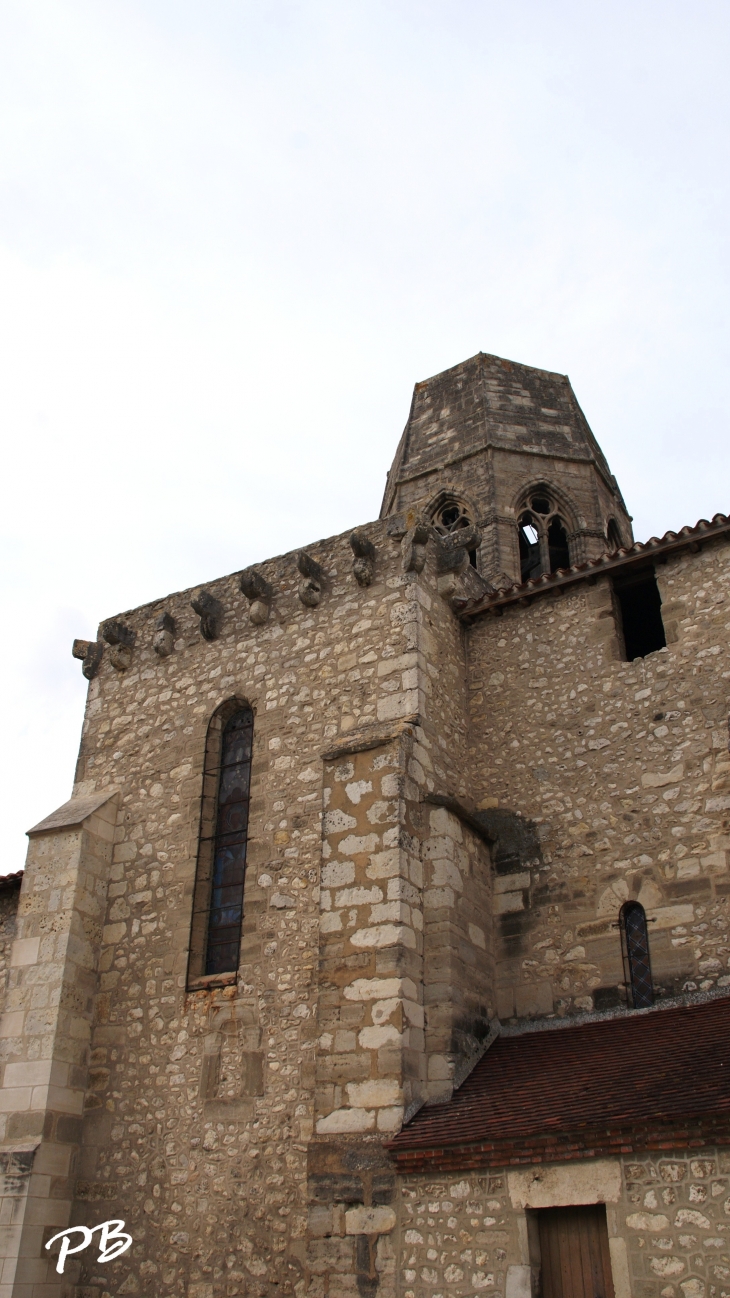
x,y
635,943
218,904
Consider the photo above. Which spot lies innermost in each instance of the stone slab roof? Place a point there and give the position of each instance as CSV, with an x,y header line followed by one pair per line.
x,y
645,1080
74,812
490,401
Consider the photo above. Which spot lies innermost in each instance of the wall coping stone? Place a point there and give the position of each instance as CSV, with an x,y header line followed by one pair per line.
x,y
74,812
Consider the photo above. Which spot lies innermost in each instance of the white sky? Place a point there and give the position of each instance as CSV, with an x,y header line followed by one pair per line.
x,y
234,233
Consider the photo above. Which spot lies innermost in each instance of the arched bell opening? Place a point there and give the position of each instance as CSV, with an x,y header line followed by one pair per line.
x,y
451,515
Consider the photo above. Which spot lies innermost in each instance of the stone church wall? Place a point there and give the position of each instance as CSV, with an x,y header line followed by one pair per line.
x,y
668,1224
624,768
201,1105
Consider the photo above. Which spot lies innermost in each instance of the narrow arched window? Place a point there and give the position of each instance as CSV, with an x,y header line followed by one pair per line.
x,y
542,534
635,946
218,901
613,536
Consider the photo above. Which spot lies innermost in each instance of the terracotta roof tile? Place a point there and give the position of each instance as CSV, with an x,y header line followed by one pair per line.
x,y
583,1090
640,551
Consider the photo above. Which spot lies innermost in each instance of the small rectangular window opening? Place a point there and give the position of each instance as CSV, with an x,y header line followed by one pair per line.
x,y
640,606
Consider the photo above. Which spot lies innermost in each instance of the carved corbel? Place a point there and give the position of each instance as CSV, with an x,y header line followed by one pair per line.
x,y
363,564
90,653
458,582
259,594
310,587
413,547
122,640
163,641
453,550
210,611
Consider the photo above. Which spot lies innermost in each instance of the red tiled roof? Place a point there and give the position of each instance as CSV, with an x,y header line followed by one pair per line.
x,y
639,552
9,880
647,1080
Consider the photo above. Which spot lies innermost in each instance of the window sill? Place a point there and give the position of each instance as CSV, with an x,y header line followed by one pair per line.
x,y
209,981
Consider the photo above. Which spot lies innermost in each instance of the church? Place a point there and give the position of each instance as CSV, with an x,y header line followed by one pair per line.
x,y
382,948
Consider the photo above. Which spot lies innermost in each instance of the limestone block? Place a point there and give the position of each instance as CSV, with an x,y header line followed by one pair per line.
x,y
369,1221
338,873
336,821
383,935
402,704
358,896
658,780
445,873
367,989
593,1181
373,1094
519,1282
533,999
25,951
384,865
343,1121
506,903
511,882
671,916
357,844
653,1222
374,1038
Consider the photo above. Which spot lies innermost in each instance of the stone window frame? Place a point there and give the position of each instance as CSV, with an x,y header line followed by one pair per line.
x,y
559,509
614,538
447,498
636,953
197,978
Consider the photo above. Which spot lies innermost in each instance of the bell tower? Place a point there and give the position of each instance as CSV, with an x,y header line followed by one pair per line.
x,y
507,447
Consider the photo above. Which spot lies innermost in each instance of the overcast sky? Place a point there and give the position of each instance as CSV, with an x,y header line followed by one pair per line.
x,y
234,234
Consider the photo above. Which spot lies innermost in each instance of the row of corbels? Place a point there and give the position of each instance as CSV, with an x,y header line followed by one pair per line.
x,y
121,638
452,556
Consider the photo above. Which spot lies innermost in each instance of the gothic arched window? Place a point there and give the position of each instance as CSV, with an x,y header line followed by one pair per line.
x,y
542,536
449,517
635,946
218,901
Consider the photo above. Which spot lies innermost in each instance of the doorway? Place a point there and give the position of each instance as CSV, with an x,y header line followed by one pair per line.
x,y
575,1261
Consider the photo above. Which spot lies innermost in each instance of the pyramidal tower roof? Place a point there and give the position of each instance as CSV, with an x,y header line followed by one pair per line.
x,y
483,403
506,446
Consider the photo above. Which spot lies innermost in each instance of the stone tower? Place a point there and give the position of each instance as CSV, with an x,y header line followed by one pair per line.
x,y
507,447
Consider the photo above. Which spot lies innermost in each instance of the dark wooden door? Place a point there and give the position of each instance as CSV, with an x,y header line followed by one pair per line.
x,y
574,1253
